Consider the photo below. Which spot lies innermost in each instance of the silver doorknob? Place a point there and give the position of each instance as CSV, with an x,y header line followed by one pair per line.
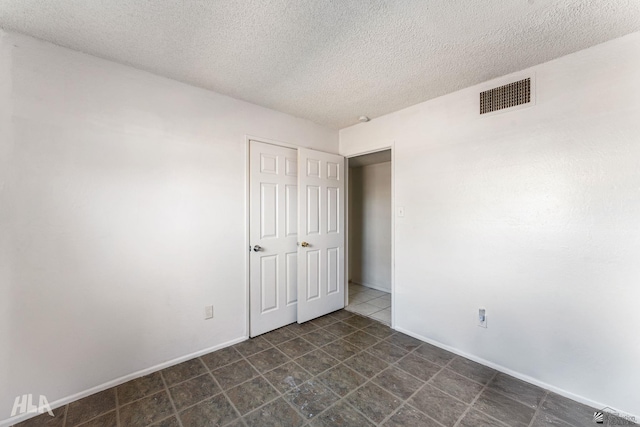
x,y
257,248
305,244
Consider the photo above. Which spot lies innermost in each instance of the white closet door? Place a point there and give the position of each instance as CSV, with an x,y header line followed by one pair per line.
x,y
321,233
273,229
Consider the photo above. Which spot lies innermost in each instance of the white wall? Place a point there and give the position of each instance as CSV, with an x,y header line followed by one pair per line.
x,y
533,214
122,202
370,226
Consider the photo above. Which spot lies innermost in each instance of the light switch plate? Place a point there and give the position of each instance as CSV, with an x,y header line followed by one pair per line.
x,y
208,312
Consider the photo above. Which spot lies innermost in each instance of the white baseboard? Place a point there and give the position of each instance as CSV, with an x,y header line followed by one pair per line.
x,y
520,376
376,287
113,383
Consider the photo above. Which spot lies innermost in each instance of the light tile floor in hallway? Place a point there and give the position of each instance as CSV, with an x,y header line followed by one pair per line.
x,y
370,302
341,369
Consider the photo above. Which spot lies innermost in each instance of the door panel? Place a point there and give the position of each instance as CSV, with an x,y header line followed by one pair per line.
x,y
321,225
273,225
292,278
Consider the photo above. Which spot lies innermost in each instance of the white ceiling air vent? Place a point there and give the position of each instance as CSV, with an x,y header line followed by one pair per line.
x,y
506,96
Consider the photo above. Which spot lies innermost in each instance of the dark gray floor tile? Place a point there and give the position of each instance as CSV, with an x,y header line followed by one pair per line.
x,y
46,420
311,398
296,347
287,376
302,328
193,391
379,330
183,371
544,420
213,412
407,416
418,367
472,370
146,411
276,414
323,321
438,405
140,387
456,385
366,364
398,382
280,335
358,321
373,402
319,337
252,346
341,349
341,379
404,341
341,415
316,362
340,329
220,358
234,374
341,314
252,394
90,407
504,409
567,410
110,419
434,354
268,360
474,418
169,422
387,352
519,390
362,339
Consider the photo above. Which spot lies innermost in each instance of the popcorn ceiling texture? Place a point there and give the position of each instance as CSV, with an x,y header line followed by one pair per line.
x,y
327,61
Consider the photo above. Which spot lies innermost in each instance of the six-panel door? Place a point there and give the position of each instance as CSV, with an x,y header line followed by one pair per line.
x,y
321,228
273,228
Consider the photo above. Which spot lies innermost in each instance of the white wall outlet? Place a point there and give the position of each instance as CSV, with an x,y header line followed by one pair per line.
x,y
401,211
482,318
208,312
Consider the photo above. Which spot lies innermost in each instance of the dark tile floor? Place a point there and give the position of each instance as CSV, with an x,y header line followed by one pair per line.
x,y
339,370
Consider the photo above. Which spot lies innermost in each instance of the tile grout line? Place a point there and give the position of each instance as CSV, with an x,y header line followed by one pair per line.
x,y
168,391
370,380
224,392
538,409
280,394
66,412
475,399
406,401
115,391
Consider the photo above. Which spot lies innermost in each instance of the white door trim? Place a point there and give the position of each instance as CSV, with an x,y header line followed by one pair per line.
x,y
391,147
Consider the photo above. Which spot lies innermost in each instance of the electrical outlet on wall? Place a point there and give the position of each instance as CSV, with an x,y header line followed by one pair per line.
x,y
482,318
208,312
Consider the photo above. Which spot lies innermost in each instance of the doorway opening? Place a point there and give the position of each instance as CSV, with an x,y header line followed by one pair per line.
x,y
370,236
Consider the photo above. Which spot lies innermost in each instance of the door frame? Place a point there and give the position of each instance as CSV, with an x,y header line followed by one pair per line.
x,y
391,147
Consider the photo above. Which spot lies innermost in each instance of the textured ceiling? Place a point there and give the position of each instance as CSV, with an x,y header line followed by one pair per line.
x,y
329,61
